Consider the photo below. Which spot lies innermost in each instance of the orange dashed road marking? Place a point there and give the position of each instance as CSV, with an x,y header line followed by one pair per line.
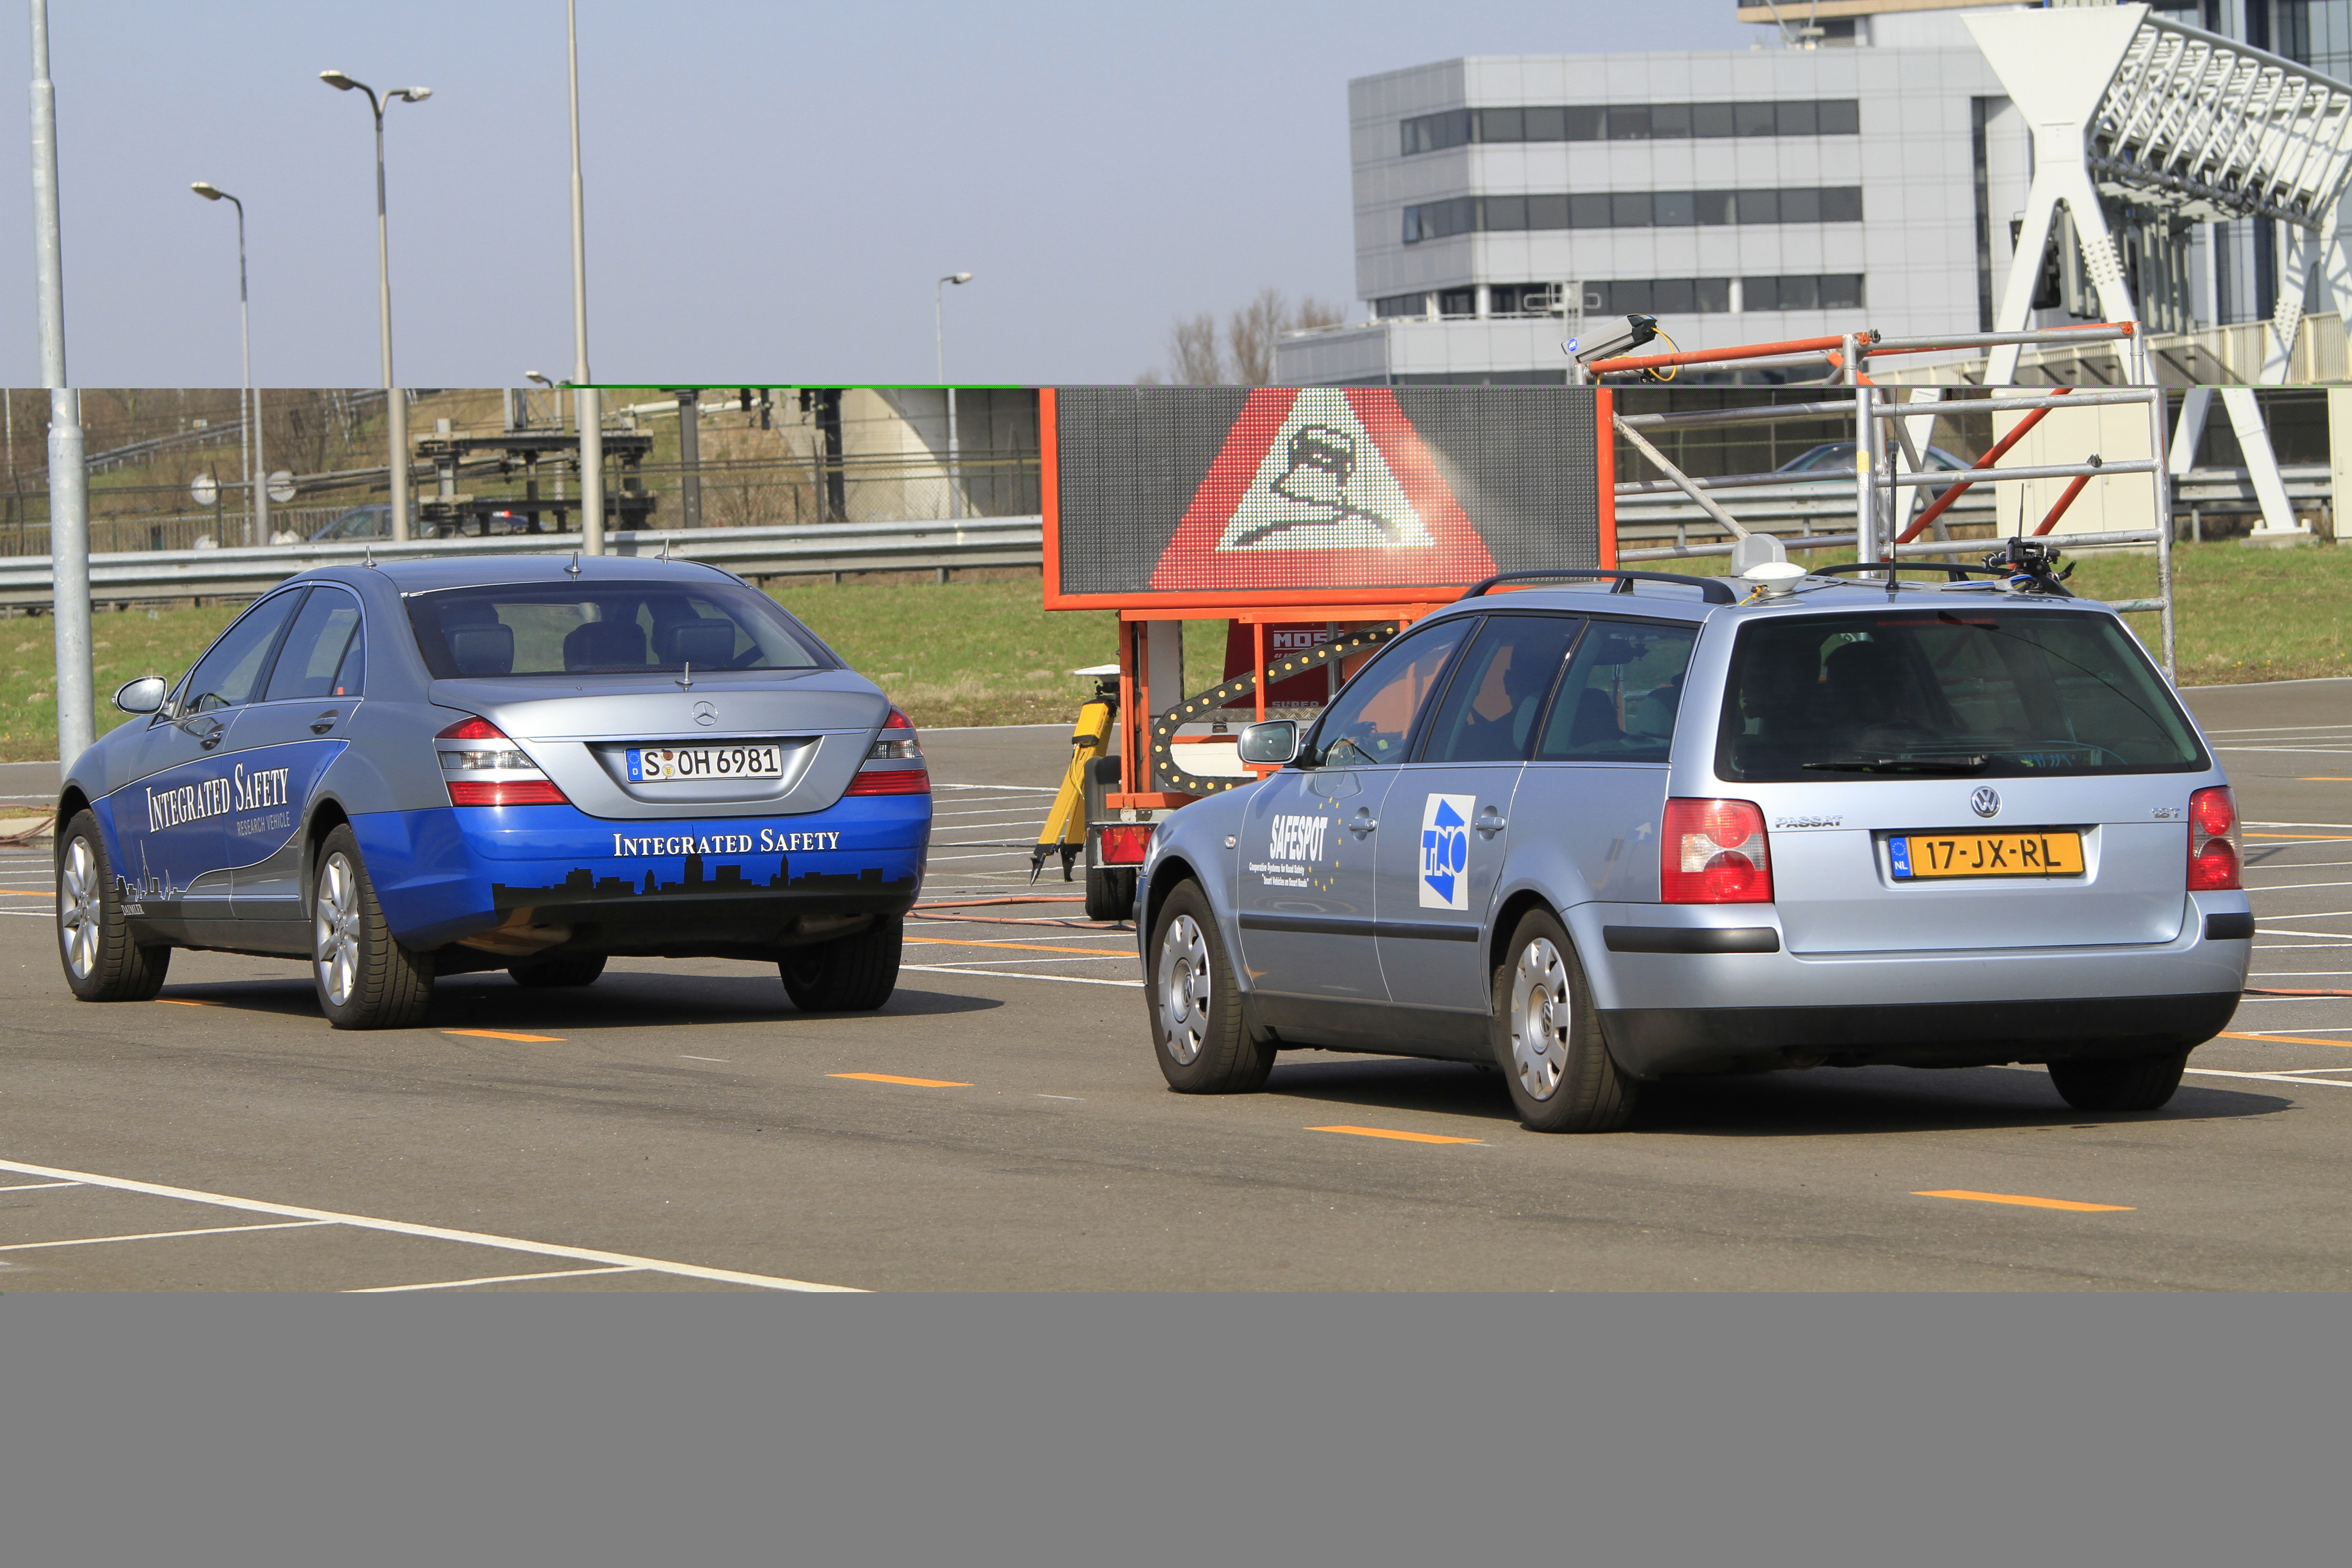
x,y
2286,1039
504,1034
27,894
892,1078
2023,1202
2307,837
185,1002
1393,1132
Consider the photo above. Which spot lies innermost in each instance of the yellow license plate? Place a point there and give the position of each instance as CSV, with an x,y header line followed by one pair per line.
x,y
1921,854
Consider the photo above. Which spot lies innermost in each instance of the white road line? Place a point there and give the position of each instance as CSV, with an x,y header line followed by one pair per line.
x,y
2315,915
2300,1030
430,1232
2290,887
944,968
37,914
1008,974
165,1234
2293,946
2270,1077
2293,974
1023,789
2333,826
485,1279
39,1187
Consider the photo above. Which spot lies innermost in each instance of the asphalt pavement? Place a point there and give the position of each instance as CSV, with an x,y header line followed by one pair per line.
x,y
1001,1126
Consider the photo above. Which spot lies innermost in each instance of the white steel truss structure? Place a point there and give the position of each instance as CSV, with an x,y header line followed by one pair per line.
x,y
2193,127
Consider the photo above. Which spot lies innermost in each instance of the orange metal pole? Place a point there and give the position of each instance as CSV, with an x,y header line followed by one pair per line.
x,y
1605,412
2065,501
1711,356
1257,651
1987,461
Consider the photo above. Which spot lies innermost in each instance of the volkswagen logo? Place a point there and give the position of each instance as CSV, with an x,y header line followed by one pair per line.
x,y
705,716
1985,802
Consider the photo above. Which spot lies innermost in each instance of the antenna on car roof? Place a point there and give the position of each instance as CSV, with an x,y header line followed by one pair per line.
x,y
367,554
686,679
573,569
664,546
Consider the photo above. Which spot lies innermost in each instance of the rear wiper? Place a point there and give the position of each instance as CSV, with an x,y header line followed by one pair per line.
x,y
1902,765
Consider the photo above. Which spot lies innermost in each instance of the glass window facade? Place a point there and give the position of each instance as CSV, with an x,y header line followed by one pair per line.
x,y
1630,209
1631,122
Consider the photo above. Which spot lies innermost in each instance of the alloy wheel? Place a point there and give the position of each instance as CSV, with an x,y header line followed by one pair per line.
x,y
80,908
1184,988
1539,1018
335,922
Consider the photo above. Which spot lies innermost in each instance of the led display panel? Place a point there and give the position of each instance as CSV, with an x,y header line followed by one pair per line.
x,y
1221,496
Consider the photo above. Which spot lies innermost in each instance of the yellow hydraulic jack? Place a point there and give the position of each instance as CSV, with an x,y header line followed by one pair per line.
x,y
1065,825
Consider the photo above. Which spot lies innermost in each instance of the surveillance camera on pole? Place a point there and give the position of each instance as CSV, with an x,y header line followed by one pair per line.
x,y
1639,329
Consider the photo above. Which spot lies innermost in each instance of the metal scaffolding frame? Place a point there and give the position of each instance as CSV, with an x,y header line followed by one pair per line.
x,y
1890,482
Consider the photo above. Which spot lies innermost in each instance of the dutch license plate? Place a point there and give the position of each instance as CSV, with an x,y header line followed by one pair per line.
x,y
1922,855
680,765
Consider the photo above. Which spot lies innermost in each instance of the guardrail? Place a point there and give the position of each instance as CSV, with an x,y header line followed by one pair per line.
x,y
1668,513
130,576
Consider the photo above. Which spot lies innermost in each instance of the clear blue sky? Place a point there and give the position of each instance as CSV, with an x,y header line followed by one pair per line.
x,y
771,187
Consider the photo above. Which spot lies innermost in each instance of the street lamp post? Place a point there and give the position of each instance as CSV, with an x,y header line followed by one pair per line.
x,y
250,439
68,478
939,340
395,408
589,413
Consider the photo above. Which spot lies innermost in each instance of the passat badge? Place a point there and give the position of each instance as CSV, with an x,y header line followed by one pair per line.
x,y
1985,801
1445,852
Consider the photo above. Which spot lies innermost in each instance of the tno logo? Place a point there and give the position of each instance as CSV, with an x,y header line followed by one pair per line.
x,y
1444,852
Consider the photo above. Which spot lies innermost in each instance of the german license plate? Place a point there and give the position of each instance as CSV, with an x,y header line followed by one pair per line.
x,y
1917,856
681,765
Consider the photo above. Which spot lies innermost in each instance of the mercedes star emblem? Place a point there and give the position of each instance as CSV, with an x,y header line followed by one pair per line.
x,y
1985,802
705,716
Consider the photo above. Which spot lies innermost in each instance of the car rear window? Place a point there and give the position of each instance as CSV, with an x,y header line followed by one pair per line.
x,y
1989,691
606,628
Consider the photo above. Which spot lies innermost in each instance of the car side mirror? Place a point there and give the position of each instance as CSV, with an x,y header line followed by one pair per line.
x,y
1274,740
144,695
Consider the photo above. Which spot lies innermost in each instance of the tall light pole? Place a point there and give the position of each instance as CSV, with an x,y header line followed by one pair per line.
x,y
940,340
589,408
249,439
68,479
395,407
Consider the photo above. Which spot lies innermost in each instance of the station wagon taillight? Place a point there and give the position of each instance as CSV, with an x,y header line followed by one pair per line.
x,y
2213,840
1715,852
482,767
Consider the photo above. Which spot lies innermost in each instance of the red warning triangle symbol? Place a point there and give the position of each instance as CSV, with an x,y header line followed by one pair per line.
x,y
1322,488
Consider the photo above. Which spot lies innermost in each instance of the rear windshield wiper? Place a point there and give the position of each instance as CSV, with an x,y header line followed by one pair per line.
x,y
1903,765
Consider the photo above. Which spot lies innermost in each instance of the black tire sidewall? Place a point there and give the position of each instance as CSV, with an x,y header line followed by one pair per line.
x,y
1227,1060
1574,1106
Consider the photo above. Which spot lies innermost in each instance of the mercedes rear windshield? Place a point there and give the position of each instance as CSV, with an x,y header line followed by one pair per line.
x,y
604,627
1989,691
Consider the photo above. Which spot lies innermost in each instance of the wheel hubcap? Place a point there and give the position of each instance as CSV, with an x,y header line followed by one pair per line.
x,y
335,920
1184,989
1539,1014
79,908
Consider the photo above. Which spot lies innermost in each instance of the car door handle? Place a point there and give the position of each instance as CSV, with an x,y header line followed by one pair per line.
x,y
212,737
1363,824
324,723
1489,822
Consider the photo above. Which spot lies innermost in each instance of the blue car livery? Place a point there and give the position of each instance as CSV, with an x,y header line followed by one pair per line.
x,y
528,763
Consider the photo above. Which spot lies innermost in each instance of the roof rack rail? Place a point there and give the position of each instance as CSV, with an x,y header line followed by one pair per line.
x,y
1953,571
1714,590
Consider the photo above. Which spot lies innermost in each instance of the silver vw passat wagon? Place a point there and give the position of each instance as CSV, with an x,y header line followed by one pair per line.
x,y
1609,832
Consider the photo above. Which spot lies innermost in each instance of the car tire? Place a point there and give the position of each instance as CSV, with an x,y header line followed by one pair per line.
x,y
558,973
365,979
848,974
2122,1083
1110,893
1547,1037
1197,1033
94,946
